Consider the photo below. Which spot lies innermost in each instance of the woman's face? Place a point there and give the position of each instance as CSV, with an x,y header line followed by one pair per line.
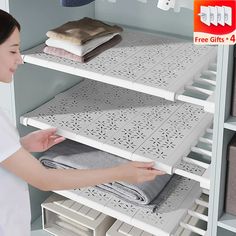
x,y
10,57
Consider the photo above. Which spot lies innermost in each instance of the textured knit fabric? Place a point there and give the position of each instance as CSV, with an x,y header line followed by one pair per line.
x,y
70,154
75,3
79,50
90,55
14,195
81,31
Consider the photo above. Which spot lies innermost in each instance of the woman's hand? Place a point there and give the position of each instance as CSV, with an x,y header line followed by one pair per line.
x,y
138,172
41,140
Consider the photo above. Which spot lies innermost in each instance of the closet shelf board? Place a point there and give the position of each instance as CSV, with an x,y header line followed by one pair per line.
x,y
126,123
193,171
230,123
154,64
228,221
172,205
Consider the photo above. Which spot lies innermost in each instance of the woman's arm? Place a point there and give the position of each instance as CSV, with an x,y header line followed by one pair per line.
x,y
25,166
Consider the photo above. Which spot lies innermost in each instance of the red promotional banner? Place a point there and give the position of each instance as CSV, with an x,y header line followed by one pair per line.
x,y
214,22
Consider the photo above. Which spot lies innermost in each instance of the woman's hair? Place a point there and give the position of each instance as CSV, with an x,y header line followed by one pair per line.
x,y
7,25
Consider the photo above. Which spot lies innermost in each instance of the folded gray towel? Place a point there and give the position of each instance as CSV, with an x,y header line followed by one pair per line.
x,y
70,154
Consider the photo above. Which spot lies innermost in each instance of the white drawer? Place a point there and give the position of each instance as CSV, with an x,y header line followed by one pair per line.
x,y
65,217
120,228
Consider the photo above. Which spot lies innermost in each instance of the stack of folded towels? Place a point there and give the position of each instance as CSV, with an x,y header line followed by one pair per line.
x,y
82,40
70,154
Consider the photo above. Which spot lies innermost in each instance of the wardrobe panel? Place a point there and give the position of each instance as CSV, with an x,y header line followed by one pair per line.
x,y
145,15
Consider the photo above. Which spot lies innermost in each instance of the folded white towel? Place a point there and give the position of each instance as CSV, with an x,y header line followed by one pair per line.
x,y
79,50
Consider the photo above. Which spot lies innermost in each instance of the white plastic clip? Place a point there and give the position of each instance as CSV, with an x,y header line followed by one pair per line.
x,y
166,4
175,4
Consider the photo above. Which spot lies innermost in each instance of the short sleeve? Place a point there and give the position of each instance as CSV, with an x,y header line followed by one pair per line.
x,y
9,138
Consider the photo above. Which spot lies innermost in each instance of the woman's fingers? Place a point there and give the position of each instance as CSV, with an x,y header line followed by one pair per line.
x,y
141,164
149,175
149,166
55,140
50,131
59,140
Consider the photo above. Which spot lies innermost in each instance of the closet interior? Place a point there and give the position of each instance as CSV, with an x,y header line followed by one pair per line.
x,y
153,97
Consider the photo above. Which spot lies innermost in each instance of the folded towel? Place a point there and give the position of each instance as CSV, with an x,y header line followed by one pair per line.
x,y
75,3
81,31
79,50
87,57
70,154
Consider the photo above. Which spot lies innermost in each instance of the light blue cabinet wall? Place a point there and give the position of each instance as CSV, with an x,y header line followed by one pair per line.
x,y
146,16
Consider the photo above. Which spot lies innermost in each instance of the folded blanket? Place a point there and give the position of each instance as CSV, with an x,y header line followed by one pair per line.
x,y
75,3
79,50
70,154
81,31
87,57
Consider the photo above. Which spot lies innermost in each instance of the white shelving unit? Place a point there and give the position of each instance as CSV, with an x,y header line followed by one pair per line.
x,y
147,63
172,206
129,124
154,64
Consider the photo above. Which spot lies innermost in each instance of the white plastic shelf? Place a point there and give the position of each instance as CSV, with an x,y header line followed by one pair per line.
x,y
126,123
149,63
228,221
230,123
173,203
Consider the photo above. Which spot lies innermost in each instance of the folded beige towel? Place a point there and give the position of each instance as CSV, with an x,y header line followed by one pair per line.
x,y
65,54
81,31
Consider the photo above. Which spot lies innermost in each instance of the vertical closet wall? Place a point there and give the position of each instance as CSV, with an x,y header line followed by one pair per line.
x,y
34,85
146,16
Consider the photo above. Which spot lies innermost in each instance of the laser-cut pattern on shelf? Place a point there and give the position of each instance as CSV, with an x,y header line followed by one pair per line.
x,y
96,195
142,126
154,64
172,205
190,168
132,125
173,135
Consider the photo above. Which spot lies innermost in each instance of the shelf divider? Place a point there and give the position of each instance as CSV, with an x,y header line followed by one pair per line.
x,y
230,123
228,221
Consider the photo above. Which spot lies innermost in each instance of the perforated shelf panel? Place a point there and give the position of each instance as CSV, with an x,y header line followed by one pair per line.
x,y
149,63
126,123
172,205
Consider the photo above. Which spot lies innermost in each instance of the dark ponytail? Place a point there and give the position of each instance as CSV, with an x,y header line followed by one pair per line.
x,y
7,25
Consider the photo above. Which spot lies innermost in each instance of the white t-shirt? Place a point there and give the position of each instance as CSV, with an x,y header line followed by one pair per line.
x,y
14,195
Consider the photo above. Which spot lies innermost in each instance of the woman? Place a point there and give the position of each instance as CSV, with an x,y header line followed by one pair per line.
x,y
18,167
